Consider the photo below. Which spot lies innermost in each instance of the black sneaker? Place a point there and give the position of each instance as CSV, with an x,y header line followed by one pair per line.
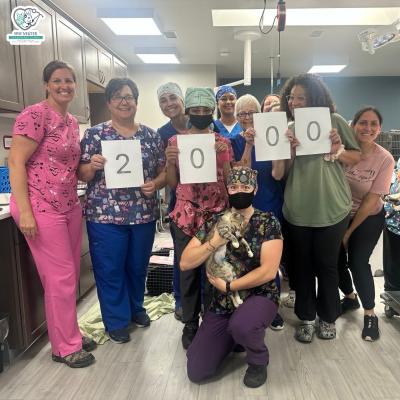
x,y
255,376
178,313
370,331
277,324
141,320
348,304
88,344
119,336
188,334
238,348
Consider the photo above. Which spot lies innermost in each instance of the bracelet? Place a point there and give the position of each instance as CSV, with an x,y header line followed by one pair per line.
x,y
338,153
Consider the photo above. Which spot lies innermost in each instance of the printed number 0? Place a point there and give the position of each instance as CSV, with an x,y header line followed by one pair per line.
x,y
309,131
201,156
275,129
120,171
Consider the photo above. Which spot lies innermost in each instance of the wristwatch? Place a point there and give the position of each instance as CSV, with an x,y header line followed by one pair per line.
x,y
228,289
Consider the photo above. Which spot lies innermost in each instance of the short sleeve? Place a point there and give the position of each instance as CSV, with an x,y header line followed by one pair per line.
x,y
345,131
273,228
381,183
90,145
205,229
31,123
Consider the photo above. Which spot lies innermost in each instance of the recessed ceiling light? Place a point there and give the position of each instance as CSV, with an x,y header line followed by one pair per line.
x,y
309,16
326,69
157,55
129,21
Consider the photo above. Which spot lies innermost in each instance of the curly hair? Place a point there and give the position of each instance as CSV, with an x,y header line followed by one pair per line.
x,y
317,93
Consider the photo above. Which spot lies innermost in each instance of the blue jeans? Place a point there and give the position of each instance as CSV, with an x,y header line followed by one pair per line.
x,y
120,256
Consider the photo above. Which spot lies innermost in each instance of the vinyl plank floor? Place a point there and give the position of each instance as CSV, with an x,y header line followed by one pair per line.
x,y
153,365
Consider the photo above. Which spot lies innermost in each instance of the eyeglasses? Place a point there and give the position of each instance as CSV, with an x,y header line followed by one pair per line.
x,y
120,99
300,99
244,114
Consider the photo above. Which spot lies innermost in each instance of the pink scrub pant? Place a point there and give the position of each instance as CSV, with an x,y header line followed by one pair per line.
x,y
56,251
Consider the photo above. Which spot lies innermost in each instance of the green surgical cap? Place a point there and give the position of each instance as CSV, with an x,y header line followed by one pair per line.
x,y
200,97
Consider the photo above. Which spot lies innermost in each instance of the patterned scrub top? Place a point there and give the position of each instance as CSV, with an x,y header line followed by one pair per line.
x,y
123,206
51,170
197,202
263,226
393,216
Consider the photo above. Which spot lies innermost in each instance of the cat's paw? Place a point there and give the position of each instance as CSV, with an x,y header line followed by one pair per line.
x,y
235,245
250,254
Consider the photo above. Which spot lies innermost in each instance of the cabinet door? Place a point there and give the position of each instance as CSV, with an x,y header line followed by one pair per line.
x,y
9,287
105,66
92,62
10,76
70,50
35,58
120,70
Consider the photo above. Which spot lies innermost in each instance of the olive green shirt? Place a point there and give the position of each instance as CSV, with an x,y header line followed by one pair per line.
x,y
317,193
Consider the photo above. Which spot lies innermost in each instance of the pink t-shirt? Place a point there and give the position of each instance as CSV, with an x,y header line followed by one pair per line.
x,y
52,179
372,174
196,202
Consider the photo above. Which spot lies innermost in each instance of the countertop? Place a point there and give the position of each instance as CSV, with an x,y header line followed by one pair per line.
x,y
5,210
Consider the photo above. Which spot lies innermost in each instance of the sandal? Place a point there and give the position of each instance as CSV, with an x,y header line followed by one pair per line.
x,y
79,359
305,332
88,344
326,330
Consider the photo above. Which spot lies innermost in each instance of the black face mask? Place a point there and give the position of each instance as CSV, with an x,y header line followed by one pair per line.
x,y
201,121
241,200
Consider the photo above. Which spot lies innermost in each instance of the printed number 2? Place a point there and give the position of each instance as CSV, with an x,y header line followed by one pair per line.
x,y
201,158
121,170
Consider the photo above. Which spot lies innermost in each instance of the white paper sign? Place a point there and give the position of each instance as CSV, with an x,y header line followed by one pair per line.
x,y
313,126
123,168
197,158
270,141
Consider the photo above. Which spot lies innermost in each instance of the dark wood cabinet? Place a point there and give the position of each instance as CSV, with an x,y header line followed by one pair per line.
x,y
70,50
99,63
120,70
9,288
35,58
10,70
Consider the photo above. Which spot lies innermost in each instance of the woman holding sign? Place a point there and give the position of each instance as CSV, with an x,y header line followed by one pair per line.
x,y
121,221
369,180
196,202
317,204
43,162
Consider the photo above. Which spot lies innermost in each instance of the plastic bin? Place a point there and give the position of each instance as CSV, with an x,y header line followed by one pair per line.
x,y
4,180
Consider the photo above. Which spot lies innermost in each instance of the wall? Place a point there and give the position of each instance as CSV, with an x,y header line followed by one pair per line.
x,y
149,78
349,94
6,125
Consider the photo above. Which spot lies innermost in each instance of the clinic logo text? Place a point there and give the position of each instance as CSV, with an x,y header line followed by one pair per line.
x,y
25,19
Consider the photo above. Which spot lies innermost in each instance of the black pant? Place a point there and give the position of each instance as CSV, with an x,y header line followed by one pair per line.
x,y
315,253
391,260
287,254
190,280
360,247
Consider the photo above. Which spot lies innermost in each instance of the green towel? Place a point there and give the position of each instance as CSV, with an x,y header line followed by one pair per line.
x,y
91,323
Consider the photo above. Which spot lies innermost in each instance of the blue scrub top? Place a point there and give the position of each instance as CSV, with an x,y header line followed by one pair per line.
x,y
269,196
224,132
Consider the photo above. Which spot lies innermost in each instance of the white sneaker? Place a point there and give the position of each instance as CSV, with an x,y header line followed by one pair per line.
x,y
290,299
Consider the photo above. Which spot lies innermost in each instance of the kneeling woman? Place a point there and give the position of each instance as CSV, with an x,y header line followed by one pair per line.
x,y
224,325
